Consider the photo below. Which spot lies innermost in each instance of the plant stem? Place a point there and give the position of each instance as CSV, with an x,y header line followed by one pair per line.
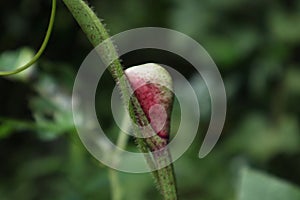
x,y
96,33
166,176
116,189
42,48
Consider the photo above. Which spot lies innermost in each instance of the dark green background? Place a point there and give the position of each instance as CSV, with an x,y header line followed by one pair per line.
x,y
255,44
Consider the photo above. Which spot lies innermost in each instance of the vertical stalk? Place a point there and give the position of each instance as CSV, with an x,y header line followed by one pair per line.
x,y
96,33
116,188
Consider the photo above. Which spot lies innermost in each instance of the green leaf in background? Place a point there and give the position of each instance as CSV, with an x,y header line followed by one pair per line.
x,y
10,60
285,25
292,81
260,138
52,108
7,126
258,186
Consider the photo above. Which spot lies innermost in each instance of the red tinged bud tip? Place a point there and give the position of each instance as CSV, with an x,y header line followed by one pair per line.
x,y
152,86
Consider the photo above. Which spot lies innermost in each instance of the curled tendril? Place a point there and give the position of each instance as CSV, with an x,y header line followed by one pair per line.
x,y
42,48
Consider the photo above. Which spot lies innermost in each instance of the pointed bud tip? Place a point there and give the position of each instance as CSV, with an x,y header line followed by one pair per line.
x,y
150,72
152,85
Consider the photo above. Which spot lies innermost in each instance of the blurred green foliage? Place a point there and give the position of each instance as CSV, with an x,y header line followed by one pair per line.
x,y
256,45
255,185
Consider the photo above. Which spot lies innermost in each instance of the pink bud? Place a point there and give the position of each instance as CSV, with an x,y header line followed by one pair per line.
x,y
152,86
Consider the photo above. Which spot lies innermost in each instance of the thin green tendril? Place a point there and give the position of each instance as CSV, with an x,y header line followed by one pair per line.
x,y
42,48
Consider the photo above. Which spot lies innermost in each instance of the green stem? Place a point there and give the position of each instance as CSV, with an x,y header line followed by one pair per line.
x,y
42,48
166,176
96,33
116,189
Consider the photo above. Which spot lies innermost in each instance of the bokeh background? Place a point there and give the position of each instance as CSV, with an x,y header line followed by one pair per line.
x,y
255,44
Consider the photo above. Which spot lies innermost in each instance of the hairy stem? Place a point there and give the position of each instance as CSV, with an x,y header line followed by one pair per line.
x,y
96,33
